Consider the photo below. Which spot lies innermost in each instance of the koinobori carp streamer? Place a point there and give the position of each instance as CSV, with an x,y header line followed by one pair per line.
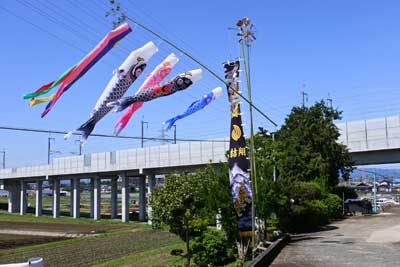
x,y
69,77
154,78
196,106
178,83
122,79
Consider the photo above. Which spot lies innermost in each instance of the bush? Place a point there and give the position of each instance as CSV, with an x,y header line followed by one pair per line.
x,y
209,249
334,206
308,216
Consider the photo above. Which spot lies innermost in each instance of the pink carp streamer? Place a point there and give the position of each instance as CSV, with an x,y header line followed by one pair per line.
x,y
67,79
154,78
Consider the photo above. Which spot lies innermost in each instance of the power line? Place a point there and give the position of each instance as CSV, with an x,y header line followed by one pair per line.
x,y
108,136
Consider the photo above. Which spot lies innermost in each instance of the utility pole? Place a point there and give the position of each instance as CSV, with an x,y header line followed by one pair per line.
x,y
330,100
80,147
49,148
4,158
374,208
304,97
147,125
49,151
163,136
174,134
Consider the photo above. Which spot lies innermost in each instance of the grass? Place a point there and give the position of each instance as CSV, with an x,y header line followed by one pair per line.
x,y
5,216
151,258
97,249
129,244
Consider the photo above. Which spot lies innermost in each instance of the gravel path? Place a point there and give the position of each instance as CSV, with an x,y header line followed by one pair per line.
x,y
357,241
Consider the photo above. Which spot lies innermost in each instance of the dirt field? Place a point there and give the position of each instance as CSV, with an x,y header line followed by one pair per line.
x,y
92,250
59,227
13,241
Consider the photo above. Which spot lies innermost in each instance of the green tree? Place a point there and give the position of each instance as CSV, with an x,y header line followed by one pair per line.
x,y
180,205
308,147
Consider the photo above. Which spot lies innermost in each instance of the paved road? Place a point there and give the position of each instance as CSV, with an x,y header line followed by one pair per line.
x,y
356,241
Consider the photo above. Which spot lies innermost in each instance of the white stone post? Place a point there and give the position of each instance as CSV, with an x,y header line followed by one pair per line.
x,y
142,198
71,198
56,198
23,201
125,198
151,180
77,198
97,198
91,192
114,198
39,199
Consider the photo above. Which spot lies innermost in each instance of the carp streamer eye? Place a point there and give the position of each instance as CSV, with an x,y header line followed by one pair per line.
x,y
179,82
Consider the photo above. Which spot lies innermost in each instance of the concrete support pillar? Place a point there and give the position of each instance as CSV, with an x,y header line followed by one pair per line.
x,y
39,199
151,181
114,198
91,192
71,198
142,198
56,198
125,198
23,201
13,197
97,198
76,188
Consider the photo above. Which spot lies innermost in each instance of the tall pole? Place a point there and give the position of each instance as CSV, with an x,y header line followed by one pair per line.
x,y
304,96
330,101
375,191
274,170
143,123
246,36
174,134
49,148
80,147
4,158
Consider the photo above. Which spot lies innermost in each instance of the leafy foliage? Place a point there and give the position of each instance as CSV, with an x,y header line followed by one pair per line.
x,y
210,249
334,206
308,147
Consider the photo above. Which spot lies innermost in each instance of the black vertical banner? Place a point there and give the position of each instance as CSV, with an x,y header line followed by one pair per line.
x,y
238,163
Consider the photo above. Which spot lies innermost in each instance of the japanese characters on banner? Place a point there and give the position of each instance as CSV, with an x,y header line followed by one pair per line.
x,y
238,163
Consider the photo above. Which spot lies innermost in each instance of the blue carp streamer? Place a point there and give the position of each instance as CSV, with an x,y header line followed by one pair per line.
x,y
195,106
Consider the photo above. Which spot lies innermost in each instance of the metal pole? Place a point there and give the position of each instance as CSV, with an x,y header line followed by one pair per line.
x,y
252,158
374,209
48,150
4,158
274,170
143,122
174,134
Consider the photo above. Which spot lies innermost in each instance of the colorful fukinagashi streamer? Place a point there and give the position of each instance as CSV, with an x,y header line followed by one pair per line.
x,y
122,79
73,74
179,83
196,106
154,78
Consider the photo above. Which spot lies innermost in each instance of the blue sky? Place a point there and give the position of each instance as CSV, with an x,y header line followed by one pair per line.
x,y
348,49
